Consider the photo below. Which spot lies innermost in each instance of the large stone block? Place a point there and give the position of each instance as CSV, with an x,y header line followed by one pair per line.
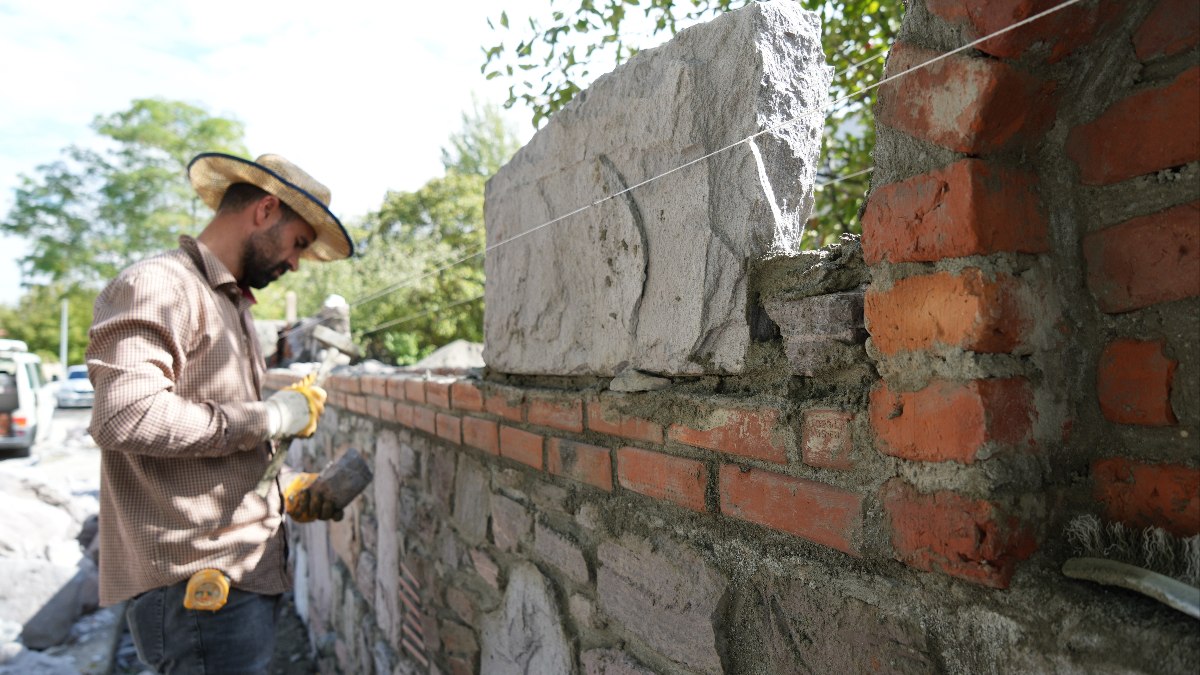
x,y
526,634
653,274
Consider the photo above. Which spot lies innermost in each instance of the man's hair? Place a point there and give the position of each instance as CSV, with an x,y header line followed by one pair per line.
x,y
241,195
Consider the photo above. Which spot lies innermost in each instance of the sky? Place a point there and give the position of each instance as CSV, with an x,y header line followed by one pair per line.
x,y
361,94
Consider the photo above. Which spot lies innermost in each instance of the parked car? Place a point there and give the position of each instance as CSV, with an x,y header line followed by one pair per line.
x,y
23,403
76,390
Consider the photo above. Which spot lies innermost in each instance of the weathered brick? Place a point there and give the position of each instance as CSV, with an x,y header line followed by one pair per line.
x,y
449,427
946,532
966,310
510,522
664,594
345,383
387,410
953,421
1134,382
1171,28
971,207
1149,130
395,387
465,395
566,415
507,402
482,434
755,434
1059,33
521,446
675,479
357,404
1145,261
437,392
1149,495
579,461
820,513
603,418
425,419
374,407
414,390
970,105
826,439
405,414
560,552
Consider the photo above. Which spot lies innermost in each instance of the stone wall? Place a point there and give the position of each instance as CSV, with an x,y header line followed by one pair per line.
x,y
883,481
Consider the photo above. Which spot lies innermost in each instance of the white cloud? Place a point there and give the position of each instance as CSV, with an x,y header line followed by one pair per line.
x,y
361,94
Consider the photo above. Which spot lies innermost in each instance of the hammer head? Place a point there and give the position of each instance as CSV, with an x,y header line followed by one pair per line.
x,y
334,340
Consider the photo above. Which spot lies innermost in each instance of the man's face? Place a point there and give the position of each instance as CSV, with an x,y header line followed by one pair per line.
x,y
271,253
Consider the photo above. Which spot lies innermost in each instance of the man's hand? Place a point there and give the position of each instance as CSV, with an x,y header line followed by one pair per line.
x,y
294,411
304,505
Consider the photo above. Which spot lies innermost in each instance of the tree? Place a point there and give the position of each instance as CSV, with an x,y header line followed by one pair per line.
x,y
407,295
36,320
92,212
555,58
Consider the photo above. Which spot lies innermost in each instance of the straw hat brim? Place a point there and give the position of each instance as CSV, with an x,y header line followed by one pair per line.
x,y
212,173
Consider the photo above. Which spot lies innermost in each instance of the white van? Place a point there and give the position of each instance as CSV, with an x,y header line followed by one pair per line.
x,y
23,399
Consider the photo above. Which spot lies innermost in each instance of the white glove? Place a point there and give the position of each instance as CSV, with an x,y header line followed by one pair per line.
x,y
294,411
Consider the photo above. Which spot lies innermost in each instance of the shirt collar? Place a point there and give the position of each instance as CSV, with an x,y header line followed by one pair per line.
x,y
215,272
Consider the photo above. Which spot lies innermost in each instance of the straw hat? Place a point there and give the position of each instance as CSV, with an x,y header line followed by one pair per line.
x,y
212,173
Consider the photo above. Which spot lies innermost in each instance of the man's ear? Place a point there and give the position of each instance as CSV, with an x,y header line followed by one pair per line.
x,y
264,211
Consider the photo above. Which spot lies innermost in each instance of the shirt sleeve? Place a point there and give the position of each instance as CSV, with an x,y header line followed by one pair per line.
x,y
137,346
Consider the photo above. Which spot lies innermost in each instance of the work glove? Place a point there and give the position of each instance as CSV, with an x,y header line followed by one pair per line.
x,y
294,411
305,505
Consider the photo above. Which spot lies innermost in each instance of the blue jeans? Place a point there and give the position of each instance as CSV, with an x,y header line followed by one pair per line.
x,y
237,639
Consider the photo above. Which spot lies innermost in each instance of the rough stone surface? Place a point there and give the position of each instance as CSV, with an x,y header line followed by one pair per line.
x,y
666,598
471,500
656,278
525,635
610,662
388,459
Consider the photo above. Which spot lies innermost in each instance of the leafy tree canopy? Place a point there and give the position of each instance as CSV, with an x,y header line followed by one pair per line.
x,y
549,61
37,316
91,212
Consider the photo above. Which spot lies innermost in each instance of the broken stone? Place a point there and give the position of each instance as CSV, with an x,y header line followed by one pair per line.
x,y
630,380
655,277
526,634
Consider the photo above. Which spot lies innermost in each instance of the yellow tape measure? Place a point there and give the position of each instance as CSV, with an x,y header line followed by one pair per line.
x,y
207,590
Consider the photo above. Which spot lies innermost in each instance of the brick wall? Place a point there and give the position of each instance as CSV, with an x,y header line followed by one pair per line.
x,y
885,487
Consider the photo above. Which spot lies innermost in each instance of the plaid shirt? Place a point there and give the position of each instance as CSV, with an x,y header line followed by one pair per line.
x,y
182,430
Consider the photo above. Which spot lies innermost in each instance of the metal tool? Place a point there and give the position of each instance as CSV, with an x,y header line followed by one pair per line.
x,y
336,345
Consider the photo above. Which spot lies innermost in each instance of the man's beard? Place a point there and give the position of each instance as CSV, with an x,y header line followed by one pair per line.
x,y
259,263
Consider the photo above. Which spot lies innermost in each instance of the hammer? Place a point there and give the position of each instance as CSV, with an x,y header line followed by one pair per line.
x,y
335,345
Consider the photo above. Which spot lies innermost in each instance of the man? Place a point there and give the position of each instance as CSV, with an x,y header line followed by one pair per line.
x,y
183,431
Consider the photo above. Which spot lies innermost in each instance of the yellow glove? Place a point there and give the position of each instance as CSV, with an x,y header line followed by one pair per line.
x,y
295,410
305,505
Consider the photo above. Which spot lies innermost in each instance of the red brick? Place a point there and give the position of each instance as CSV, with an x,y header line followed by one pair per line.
x,y
744,433
1145,261
946,532
356,404
585,463
414,390
369,384
465,395
374,408
826,439
966,310
953,421
344,383
1147,131
971,207
387,410
482,434
602,418
395,387
449,427
558,414
1134,383
1171,28
437,392
425,419
1058,33
1145,495
507,402
820,513
521,446
405,414
675,479
971,105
